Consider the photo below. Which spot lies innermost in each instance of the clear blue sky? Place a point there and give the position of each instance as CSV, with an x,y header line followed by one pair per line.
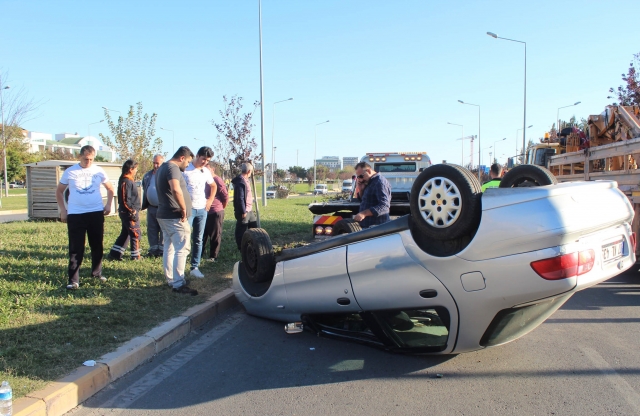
x,y
386,74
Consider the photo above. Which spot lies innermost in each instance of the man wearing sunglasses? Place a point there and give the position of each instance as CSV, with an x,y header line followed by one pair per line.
x,y
374,192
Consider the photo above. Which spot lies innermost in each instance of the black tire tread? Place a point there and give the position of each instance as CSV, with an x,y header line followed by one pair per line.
x,y
259,239
531,174
346,226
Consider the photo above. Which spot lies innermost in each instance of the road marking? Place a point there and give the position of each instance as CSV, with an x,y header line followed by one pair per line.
x,y
141,387
626,391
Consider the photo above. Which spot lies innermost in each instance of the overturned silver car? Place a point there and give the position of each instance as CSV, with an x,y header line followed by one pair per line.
x,y
463,271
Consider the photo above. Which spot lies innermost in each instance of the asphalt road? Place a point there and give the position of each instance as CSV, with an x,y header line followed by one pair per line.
x,y
584,360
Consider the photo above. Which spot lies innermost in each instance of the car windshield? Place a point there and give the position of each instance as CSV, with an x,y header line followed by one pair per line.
x,y
395,167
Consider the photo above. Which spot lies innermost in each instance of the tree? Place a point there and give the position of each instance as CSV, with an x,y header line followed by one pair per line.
x,y
299,171
279,174
18,108
629,94
134,137
235,145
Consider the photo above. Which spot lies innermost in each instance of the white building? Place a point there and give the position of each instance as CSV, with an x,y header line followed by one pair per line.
x,y
37,141
332,162
349,161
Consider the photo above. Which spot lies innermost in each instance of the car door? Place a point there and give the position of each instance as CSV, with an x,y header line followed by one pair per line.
x,y
319,283
408,302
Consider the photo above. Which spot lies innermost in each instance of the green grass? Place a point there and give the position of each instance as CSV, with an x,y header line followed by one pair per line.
x,y
46,331
12,203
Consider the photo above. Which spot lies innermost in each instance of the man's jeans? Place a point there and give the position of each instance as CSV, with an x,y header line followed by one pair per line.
x,y
154,233
177,236
197,221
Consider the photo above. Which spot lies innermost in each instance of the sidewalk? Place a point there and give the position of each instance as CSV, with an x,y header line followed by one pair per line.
x,y
65,394
14,212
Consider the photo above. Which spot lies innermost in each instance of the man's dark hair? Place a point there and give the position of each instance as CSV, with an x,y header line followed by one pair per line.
x,y
362,165
183,151
206,152
496,169
87,149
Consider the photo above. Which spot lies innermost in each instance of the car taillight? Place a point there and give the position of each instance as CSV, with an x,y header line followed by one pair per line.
x,y
565,266
632,240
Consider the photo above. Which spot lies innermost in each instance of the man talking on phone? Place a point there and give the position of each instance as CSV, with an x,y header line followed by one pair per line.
x,y
374,192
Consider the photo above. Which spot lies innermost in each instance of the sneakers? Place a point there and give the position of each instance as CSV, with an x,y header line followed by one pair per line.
x,y
101,278
185,290
72,286
211,260
196,273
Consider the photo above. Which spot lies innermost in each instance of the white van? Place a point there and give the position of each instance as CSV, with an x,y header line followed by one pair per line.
x,y
347,185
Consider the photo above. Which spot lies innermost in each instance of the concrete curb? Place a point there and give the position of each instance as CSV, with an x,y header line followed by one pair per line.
x,y
65,394
14,212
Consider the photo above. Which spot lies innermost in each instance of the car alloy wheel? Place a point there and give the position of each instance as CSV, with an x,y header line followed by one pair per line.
x,y
440,202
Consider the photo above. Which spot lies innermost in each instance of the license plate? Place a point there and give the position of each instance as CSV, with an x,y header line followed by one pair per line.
x,y
612,251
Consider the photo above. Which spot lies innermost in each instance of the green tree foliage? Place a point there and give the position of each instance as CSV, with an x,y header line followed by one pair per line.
x,y
134,137
236,144
629,94
299,171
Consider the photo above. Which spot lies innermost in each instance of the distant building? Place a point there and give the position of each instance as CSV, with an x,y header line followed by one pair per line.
x,y
332,162
349,161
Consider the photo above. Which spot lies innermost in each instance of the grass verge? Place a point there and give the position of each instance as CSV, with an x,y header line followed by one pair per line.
x,y
15,202
46,331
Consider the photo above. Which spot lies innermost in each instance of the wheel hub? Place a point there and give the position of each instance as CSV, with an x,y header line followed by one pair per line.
x,y
440,202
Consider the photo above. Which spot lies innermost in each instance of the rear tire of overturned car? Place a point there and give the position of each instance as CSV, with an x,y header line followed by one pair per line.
x,y
258,258
446,202
526,176
346,226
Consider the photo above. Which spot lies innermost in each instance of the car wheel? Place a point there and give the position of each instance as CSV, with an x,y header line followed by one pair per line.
x,y
258,258
346,226
445,202
527,175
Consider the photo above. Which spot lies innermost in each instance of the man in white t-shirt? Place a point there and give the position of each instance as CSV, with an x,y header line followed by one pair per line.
x,y
197,175
84,213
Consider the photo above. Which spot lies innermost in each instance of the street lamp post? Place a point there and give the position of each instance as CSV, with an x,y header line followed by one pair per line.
x,y
264,180
89,127
558,115
461,138
524,119
173,138
315,142
273,129
517,140
4,143
494,148
273,163
479,142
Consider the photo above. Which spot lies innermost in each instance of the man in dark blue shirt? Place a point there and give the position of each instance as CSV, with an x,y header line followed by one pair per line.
x,y
375,196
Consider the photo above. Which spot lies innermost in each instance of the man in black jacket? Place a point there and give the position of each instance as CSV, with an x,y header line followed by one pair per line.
x,y
243,202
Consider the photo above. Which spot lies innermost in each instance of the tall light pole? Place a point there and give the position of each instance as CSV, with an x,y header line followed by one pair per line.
x,y
315,142
479,142
89,127
517,141
4,143
273,163
264,180
494,148
558,115
461,138
273,129
173,138
524,118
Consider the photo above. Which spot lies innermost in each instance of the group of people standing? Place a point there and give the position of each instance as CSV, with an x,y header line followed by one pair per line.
x,y
185,204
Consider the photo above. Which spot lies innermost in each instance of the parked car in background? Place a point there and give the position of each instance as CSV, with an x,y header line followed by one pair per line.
x,y
320,189
347,185
271,192
16,185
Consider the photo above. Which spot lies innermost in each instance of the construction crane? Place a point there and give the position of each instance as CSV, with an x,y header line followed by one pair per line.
x,y
471,139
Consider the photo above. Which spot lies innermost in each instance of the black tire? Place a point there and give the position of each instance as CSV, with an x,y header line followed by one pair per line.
x,y
446,202
258,258
527,175
346,226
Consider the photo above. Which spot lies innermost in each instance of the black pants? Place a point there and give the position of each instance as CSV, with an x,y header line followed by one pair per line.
x,y
130,232
90,224
213,232
243,224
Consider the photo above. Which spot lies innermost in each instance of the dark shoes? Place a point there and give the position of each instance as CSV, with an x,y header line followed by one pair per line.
x,y
72,286
113,258
185,290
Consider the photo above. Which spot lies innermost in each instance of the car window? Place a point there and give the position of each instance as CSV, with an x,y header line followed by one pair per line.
x,y
395,167
416,328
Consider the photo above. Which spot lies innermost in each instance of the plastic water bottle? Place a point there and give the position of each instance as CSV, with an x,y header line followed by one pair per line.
x,y
6,394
